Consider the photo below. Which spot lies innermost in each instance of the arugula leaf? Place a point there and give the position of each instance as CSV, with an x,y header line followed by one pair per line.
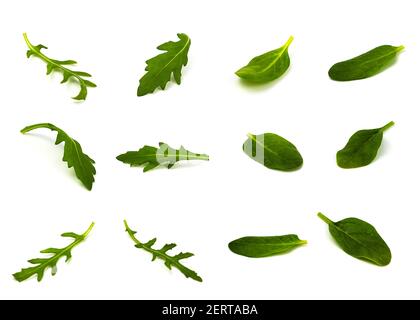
x,y
258,247
268,66
273,151
43,264
152,157
359,239
60,65
82,164
366,65
362,148
170,261
160,68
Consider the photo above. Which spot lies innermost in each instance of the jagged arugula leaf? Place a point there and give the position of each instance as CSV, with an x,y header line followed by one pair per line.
x,y
259,247
42,264
61,65
152,157
268,66
366,65
362,148
160,68
359,239
82,164
170,261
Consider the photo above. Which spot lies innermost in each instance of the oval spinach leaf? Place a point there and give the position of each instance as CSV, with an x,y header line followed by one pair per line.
x,y
258,247
268,66
359,239
362,147
273,152
365,65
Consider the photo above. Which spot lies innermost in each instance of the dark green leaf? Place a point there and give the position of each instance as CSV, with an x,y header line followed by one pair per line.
x,y
82,164
170,261
57,65
365,65
362,147
160,68
268,66
152,157
359,239
273,151
42,264
258,247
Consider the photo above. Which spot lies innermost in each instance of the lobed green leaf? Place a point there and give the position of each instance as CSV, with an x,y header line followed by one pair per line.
x,y
152,157
82,164
60,65
163,66
169,261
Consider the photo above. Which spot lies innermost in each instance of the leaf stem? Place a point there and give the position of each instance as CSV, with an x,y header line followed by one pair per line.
x,y
40,125
204,157
400,48
325,219
130,232
250,136
387,126
28,43
86,233
289,41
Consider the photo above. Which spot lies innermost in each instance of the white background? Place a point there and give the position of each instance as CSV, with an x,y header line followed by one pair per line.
x,y
203,206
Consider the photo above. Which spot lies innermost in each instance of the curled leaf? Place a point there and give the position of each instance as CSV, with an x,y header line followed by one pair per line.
x,y
82,164
60,65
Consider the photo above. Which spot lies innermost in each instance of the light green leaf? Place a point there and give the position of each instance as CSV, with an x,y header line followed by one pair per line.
x,y
58,65
152,157
42,264
82,164
268,66
170,261
160,68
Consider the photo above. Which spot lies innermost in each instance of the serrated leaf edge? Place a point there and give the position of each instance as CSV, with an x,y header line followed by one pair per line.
x,y
53,64
169,261
51,262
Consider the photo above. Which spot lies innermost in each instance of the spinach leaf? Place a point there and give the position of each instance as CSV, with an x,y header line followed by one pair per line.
x,y
268,66
152,157
359,239
365,65
170,261
60,65
160,68
258,247
362,147
273,152
82,164
42,264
